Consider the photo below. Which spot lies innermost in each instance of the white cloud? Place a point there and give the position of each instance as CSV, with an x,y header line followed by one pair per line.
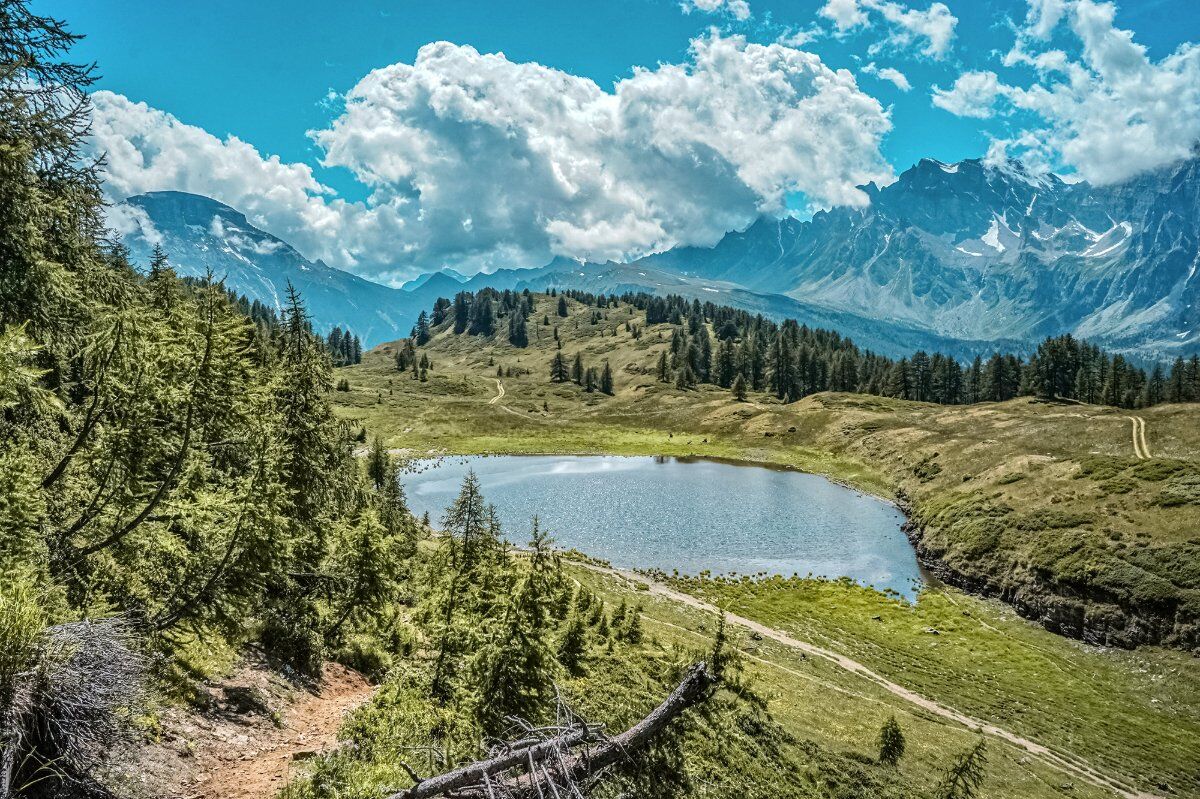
x,y
738,9
973,94
890,74
129,220
1107,112
934,26
845,14
149,150
1043,17
539,161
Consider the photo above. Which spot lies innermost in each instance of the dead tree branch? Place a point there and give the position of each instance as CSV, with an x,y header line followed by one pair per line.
x,y
549,764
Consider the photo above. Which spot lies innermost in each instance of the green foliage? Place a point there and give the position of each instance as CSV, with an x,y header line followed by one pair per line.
x,y
572,649
891,742
964,778
167,451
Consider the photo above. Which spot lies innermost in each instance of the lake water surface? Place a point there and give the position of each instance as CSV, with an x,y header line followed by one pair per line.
x,y
686,514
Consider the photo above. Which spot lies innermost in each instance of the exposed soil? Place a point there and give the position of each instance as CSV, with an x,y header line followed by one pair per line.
x,y
253,737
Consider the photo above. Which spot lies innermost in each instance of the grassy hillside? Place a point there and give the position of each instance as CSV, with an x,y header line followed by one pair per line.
x,y
1044,504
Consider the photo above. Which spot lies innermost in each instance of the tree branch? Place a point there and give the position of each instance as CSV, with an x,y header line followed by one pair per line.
x,y
478,780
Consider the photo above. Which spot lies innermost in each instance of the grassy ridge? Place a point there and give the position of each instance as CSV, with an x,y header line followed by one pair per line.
x,y
1043,504
1036,493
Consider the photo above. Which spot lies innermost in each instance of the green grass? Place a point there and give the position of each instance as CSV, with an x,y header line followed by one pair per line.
x,y
1032,497
1135,714
814,700
1085,518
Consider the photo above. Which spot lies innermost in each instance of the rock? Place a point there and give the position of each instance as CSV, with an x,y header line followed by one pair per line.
x,y
932,631
244,699
304,754
756,636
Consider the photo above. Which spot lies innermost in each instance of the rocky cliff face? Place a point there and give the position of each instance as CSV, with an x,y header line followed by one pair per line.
x,y
1085,612
974,251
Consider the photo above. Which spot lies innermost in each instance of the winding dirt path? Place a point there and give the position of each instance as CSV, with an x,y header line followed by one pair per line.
x,y
1142,436
260,762
1141,449
500,389
1069,764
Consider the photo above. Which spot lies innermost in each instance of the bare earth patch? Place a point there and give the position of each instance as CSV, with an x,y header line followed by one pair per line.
x,y
253,739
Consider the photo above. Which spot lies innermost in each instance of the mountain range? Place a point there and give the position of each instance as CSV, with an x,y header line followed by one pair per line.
x,y
963,258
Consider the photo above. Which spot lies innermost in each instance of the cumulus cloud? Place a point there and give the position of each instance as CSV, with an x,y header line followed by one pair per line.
x,y
477,161
129,220
934,27
890,74
1106,111
148,150
738,9
973,94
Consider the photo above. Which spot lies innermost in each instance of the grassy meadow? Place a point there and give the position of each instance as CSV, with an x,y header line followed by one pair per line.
x,y
1027,497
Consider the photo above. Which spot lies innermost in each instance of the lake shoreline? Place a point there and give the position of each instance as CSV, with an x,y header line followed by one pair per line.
x,y
662,513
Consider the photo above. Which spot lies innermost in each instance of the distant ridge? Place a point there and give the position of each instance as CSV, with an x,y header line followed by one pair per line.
x,y
963,258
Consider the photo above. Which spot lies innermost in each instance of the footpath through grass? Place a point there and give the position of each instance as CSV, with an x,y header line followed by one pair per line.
x,y
1132,714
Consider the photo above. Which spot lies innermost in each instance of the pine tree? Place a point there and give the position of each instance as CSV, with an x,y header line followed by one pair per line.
x,y
685,378
378,463
963,778
558,369
482,318
420,332
562,306
664,368
573,647
577,370
462,311
515,670
891,742
739,388
606,380
518,335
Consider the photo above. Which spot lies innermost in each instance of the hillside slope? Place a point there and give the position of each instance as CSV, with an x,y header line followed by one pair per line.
x,y
201,235
1046,505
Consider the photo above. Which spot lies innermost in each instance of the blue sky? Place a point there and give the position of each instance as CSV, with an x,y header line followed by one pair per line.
x,y
262,71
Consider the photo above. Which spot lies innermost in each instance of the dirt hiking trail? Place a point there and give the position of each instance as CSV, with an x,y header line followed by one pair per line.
x,y
1064,762
253,742
1141,449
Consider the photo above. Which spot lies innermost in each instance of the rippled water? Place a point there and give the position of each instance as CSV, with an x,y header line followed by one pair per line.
x,y
686,514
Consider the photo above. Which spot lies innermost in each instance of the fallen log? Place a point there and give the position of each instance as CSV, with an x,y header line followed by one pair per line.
x,y
541,768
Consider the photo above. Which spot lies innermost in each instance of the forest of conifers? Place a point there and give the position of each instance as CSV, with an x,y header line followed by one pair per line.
x,y
793,361
167,464
174,485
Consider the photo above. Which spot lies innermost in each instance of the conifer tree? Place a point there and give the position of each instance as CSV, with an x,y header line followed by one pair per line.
x,y
558,369
963,778
562,306
577,369
739,388
378,463
462,311
891,742
518,335
420,332
606,380
573,647
515,669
